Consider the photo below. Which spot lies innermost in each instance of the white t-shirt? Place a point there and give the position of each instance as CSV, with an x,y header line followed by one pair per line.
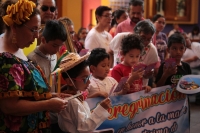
x,y
104,85
189,53
96,39
115,45
196,48
194,37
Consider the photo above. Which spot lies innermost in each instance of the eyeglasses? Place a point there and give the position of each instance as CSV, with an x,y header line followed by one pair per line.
x,y
160,22
33,30
85,80
46,8
107,16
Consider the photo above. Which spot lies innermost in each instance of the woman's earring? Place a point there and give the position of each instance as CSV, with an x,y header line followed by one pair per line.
x,y
14,40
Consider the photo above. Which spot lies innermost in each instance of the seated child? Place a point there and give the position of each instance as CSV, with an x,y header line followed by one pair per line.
x,y
100,83
131,49
169,75
77,117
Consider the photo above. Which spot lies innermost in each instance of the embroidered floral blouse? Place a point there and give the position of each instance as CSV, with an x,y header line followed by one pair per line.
x,y
19,78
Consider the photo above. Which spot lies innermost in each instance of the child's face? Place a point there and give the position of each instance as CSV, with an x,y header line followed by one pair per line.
x,y
52,47
132,57
82,81
102,69
176,50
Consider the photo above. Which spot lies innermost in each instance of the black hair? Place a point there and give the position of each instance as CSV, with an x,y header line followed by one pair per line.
x,y
116,15
176,38
156,17
131,41
136,3
96,56
99,11
53,30
195,28
145,26
75,71
3,8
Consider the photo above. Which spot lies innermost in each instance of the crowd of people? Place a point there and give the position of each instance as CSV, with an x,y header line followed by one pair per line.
x,y
28,100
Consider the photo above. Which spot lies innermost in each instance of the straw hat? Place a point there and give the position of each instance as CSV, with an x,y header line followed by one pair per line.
x,y
70,61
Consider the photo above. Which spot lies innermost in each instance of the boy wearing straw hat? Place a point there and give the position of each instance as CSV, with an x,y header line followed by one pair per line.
x,y
77,117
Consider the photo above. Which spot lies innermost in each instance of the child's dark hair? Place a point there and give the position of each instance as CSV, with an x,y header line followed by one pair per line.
x,y
96,56
176,38
145,26
53,30
130,42
75,71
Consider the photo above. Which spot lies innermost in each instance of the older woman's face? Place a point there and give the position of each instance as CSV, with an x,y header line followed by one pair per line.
x,y
26,33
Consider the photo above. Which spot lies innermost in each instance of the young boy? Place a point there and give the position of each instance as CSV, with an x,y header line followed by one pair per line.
x,y
100,83
145,29
131,49
170,74
77,117
53,37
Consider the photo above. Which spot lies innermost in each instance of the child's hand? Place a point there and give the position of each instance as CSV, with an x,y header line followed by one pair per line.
x,y
125,88
135,75
106,103
103,94
148,74
168,71
147,89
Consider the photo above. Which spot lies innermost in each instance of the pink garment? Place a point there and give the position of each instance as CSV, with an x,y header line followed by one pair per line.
x,y
120,71
125,26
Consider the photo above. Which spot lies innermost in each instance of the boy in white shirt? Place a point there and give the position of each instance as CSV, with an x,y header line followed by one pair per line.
x,y
100,83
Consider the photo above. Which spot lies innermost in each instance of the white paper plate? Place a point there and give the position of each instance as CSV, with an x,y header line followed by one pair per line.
x,y
189,81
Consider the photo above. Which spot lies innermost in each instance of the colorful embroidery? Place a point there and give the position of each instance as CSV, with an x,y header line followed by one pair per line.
x,y
19,78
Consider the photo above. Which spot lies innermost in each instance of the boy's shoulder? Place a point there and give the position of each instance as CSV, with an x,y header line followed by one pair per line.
x,y
185,65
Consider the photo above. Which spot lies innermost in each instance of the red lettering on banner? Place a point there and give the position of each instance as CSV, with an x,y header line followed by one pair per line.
x,y
130,110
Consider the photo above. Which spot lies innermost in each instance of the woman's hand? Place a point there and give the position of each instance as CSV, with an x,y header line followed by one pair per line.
x,y
61,95
56,104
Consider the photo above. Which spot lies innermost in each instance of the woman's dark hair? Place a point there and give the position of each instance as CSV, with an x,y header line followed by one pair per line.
x,y
75,71
145,26
195,28
53,30
116,15
3,8
130,42
156,17
96,56
80,30
99,11
176,38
